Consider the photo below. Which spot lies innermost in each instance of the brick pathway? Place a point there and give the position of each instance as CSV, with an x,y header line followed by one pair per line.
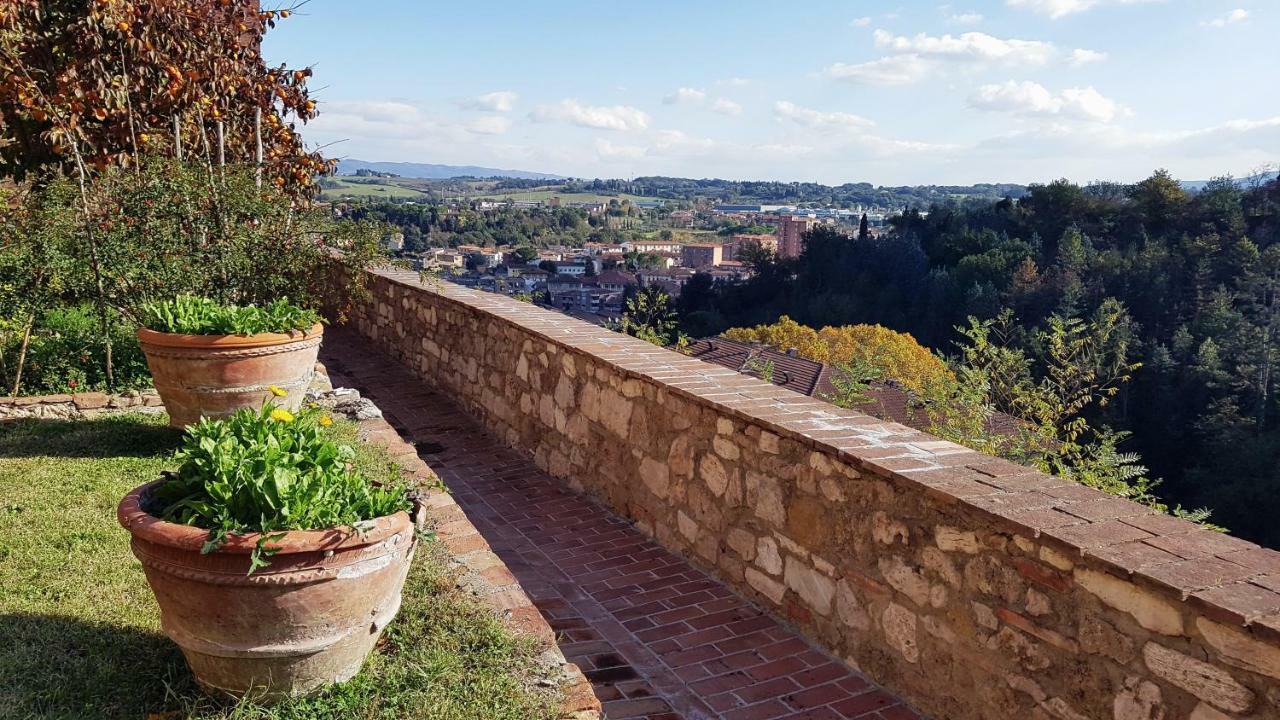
x,y
657,637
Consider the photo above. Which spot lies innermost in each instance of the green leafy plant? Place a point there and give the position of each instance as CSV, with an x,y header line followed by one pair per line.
x,y
193,315
269,471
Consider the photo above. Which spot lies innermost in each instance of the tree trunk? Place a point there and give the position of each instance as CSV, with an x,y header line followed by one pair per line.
x,y
22,354
177,138
257,137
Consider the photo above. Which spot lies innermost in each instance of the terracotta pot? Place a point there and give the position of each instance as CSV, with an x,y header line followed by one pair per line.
x,y
215,375
307,620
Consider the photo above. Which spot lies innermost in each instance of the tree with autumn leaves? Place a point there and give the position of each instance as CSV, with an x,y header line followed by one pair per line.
x,y
181,150
102,82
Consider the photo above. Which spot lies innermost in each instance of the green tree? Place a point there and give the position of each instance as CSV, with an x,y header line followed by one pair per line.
x,y
649,315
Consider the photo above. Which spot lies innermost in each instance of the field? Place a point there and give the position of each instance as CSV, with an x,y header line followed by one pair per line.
x,y
544,195
375,188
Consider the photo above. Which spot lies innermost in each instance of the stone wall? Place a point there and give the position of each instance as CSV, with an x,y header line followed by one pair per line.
x,y
974,587
79,405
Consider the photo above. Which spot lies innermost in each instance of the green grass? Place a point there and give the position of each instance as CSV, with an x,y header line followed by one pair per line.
x,y
80,633
377,188
544,195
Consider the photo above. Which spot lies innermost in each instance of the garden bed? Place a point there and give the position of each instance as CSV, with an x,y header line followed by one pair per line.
x,y
83,634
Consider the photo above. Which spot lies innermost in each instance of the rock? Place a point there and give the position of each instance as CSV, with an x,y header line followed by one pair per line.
x,y
1139,700
1151,612
899,626
1206,682
816,589
654,475
950,539
742,542
712,472
767,556
1239,649
765,585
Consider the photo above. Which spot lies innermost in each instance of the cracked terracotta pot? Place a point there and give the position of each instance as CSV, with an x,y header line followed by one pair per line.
x,y
215,375
307,620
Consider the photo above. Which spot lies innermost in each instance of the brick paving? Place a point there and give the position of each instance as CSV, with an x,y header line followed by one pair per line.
x,y
657,637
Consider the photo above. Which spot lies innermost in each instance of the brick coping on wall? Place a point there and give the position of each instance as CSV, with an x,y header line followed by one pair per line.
x,y
1228,579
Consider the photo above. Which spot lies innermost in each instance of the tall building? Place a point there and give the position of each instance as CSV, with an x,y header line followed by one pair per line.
x,y
790,235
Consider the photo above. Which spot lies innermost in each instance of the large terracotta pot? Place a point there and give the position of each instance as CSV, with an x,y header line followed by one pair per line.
x,y
307,620
215,375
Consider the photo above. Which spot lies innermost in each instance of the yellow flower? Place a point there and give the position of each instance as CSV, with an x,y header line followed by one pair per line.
x,y
281,415
326,421
278,392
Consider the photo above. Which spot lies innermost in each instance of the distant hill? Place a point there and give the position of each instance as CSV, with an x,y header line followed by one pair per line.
x,y
438,172
1198,185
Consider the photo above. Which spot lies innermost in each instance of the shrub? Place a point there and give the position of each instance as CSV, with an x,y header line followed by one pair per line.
x,y
193,315
64,353
268,471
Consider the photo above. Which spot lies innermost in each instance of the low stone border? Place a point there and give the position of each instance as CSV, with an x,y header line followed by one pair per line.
x,y
79,405
481,571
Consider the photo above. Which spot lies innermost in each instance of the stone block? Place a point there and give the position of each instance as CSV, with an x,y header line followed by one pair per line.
x,y
817,590
1153,613
1206,682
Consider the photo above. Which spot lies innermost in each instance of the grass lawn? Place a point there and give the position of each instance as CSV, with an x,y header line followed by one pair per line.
x,y
80,631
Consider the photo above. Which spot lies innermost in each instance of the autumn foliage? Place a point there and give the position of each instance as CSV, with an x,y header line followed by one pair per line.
x,y
897,354
110,80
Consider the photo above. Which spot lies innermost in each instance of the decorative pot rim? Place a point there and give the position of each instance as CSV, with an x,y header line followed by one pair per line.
x,y
182,340
145,526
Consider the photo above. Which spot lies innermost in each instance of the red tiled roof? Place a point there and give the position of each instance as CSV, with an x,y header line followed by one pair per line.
x,y
887,399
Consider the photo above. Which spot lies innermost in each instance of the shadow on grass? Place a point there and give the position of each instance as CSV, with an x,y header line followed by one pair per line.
x,y
63,667
108,436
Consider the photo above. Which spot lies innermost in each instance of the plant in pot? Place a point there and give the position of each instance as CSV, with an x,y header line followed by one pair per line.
x,y
276,562
209,359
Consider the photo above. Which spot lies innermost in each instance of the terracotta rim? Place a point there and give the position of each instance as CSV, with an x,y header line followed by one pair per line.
x,y
145,526
179,340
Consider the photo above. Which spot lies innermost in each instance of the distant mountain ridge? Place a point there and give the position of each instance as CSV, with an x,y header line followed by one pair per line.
x,y
429,171
1262,177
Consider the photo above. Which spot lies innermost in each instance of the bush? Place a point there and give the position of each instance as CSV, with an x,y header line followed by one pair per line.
x,y
65,354
268,471
155,233
192,315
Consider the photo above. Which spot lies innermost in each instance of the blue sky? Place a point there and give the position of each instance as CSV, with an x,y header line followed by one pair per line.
x,y
911,92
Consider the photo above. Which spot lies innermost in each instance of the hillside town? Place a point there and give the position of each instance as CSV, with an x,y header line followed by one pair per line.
x,y
590,282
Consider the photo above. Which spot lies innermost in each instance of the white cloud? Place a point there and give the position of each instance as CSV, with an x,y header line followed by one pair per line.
x,y
1081,57
897,70
967,47
817,119
607,149
1061,8
500,101
1235,16
489,125
913,58
725,106
684,96
970,18
613,117
1029,98
860,22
